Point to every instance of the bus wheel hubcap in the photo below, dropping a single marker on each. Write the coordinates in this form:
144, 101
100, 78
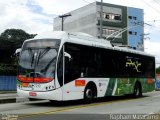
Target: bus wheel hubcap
89, 93
137, 91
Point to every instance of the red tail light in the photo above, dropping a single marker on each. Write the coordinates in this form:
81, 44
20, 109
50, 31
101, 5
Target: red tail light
36, 79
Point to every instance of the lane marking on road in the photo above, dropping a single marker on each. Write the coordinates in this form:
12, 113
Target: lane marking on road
76, 107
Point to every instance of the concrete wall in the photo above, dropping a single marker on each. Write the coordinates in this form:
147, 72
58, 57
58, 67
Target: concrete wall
81, 20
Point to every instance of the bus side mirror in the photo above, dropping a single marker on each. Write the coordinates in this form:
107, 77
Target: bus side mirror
17, 52
67, 55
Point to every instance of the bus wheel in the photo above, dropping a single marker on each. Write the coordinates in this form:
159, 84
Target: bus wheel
90, 92
88, 95
137, 90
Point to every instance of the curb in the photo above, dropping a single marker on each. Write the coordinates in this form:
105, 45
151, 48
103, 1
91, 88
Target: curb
8, 100
16, 100
13, 100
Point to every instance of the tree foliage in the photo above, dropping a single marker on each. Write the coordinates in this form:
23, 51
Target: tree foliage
158, 70
10, 40
14, 37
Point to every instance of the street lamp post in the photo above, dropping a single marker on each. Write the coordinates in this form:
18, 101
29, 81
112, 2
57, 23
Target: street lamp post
62, 17
101, 19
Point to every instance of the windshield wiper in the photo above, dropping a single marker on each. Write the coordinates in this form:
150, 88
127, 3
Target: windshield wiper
31, 55
41, 54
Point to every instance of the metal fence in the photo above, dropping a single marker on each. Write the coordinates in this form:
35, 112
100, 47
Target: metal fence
7, 83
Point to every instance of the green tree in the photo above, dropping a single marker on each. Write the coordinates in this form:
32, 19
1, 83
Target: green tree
158, 70
10, 40
15, 37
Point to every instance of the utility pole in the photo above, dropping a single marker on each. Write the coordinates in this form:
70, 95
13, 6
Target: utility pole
101, 19
63, 16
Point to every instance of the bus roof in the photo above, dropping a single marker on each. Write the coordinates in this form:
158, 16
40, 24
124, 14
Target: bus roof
85, 39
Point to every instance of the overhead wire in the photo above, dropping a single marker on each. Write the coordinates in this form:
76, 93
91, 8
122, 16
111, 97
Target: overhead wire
156, 2
86, 1
151, 6
156, 10
90, 3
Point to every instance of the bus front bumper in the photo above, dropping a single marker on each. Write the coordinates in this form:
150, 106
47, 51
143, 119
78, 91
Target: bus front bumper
48, 95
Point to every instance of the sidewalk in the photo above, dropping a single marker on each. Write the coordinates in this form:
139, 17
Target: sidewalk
10, 97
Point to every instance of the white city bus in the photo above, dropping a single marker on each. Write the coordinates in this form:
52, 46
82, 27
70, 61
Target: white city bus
69, 66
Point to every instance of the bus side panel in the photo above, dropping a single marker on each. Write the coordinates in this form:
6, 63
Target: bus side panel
71, 92
119, 86
148, 85
75, 89
105, 87
122, 86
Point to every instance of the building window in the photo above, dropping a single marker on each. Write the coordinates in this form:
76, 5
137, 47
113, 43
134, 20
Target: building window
132, 33
135, 33
106, 32
134, 18
112, 16
130, 17
117, 17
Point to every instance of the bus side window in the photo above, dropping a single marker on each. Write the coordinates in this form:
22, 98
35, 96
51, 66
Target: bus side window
72, 66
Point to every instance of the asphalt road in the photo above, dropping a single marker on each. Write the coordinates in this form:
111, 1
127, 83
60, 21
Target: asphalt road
114, 108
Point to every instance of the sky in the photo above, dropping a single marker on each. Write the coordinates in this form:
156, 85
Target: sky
36, 16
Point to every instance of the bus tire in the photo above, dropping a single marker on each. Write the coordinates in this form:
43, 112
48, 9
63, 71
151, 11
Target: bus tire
137, 90
90, 93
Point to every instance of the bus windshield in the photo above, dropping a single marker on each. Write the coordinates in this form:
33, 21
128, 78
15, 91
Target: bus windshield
38, 61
